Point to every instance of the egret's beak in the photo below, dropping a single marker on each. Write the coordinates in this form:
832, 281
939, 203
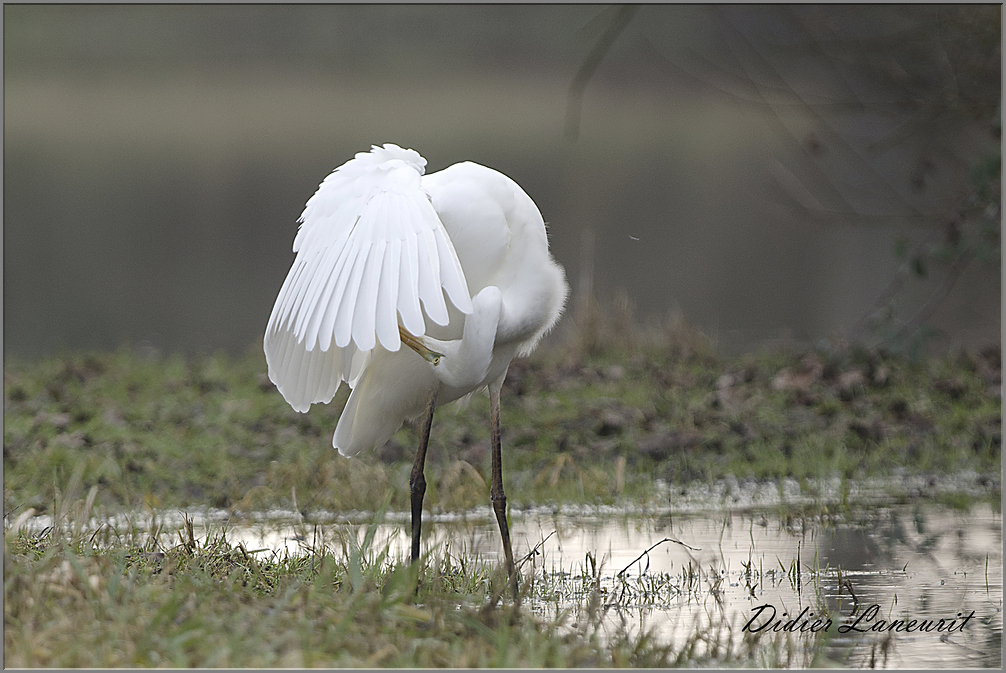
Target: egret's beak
417, 345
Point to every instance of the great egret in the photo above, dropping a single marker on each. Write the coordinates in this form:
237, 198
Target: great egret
377, 239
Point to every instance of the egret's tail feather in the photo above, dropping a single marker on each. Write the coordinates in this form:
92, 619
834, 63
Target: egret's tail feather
376, 410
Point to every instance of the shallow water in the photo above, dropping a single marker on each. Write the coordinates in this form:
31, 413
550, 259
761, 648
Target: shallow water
922, 562
724, 581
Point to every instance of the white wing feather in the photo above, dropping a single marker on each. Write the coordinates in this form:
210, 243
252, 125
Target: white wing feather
370, 248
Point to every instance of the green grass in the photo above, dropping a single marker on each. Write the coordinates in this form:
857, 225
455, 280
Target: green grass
597, 419
70, 602
590, 420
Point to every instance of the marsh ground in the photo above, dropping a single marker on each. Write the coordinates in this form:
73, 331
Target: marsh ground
644, 424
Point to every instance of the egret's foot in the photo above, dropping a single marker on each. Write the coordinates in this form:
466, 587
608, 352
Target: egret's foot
416, 344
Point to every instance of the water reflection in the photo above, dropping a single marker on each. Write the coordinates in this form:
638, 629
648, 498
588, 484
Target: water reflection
736, 578
913, 562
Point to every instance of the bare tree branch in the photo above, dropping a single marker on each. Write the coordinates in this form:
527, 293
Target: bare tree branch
857, 331
574, 98
953, 275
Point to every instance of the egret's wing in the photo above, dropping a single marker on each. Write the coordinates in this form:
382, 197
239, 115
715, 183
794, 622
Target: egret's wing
370, 248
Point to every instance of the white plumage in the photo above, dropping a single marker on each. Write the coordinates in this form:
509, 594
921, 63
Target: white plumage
458, 258
379, 247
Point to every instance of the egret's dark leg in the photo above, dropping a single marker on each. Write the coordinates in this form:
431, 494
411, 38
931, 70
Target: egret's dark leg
417, 482
496, 493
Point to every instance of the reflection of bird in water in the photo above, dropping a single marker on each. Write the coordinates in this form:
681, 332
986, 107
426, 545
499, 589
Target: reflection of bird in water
379, 247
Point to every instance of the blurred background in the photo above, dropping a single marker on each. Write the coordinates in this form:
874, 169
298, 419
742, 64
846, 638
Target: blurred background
765, 173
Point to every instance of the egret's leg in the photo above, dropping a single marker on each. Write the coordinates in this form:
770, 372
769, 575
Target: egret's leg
496, 493
417, 481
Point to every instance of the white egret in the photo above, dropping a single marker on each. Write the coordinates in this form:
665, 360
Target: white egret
379, 246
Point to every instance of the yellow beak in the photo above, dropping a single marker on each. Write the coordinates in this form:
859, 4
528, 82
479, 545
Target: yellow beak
417, 345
